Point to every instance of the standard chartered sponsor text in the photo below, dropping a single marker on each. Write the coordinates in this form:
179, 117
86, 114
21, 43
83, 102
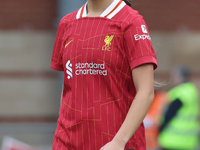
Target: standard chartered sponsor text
90, 68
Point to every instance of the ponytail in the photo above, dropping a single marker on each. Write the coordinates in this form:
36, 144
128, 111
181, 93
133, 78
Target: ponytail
127, 2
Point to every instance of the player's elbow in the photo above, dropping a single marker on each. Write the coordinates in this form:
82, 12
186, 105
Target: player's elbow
151, 96
148, 95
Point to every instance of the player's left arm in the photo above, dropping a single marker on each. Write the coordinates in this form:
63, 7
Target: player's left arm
143, 78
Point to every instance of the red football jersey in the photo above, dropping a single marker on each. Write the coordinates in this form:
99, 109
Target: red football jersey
97, 55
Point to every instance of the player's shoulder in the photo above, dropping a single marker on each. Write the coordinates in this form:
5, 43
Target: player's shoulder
69, 17
129, 15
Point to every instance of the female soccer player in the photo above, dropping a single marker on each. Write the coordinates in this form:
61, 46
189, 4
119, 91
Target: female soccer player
105, 51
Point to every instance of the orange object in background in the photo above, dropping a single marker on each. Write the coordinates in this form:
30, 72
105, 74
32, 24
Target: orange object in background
152, 120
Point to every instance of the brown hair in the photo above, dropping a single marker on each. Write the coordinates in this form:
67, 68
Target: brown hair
127, 2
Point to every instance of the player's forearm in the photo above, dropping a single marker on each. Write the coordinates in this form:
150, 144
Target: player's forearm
135, 116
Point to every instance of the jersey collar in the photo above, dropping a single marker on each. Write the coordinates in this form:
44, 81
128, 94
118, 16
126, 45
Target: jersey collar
109, 13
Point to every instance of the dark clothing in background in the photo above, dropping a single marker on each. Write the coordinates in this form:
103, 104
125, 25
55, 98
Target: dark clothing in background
171, 112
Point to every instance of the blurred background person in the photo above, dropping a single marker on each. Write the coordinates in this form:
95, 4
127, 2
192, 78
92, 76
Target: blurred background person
179, 129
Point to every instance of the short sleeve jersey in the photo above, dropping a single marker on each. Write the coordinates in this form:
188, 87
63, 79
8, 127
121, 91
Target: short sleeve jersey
97, 55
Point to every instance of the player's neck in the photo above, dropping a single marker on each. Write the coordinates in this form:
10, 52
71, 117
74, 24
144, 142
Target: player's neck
96, 7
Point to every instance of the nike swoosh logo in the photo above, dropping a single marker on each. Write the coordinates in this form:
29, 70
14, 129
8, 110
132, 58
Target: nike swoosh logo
68, 43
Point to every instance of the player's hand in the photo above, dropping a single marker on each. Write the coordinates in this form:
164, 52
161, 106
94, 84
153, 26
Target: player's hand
113, 145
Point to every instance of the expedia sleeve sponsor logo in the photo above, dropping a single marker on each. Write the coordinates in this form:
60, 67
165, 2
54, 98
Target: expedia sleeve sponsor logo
142, 37
144, 29
85, 69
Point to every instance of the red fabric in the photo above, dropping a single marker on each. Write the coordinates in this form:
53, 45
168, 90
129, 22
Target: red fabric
98, 85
